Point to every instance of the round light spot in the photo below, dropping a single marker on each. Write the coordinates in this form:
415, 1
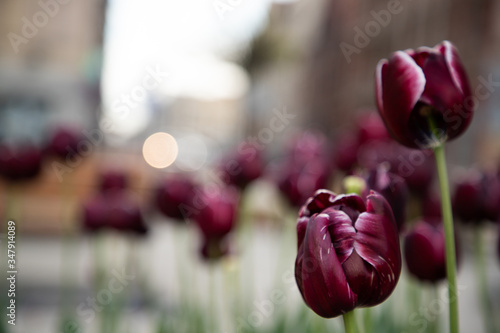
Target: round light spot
160, 150
193, 153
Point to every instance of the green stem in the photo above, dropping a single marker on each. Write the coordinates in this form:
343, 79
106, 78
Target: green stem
482, 280
436, 323
451, 269
350, 322
367, 319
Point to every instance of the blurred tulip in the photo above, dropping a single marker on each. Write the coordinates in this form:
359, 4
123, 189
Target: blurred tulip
113, 210
242, 166
348, 252
64, 142
416, 167
20, 163
477, 197
370, 127
355, 146
299, 181
307, 145
394, 190
346, 152
431, 207
112, 180
424, 251
174, 193
217, 216
415, 88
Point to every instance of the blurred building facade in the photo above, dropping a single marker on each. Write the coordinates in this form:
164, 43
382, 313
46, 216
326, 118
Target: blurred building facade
50, 63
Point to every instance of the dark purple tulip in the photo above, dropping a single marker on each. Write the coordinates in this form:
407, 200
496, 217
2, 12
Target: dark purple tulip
431, 207
242, 166
20, 163
424, 251
174, 193
477, 197
418, 172
370, 127
64, 142
217, 216
114, 210
307, 145
348, 252
417, 87
113, 180
94, 214
351, 147
416, 167
346, 152
298, 181
394, 190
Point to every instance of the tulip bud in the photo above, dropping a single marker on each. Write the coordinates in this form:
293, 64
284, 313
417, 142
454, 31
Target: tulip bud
113, 180
113, 210
20, 163
241, 167
423, 95
299, 181
394, 190
173, 194
348, 252
217, 216
477, 197
64, 142
424, 251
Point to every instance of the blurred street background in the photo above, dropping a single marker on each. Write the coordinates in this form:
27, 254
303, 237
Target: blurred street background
153, 89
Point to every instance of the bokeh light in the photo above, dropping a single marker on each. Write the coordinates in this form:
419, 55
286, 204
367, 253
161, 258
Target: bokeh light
160, 150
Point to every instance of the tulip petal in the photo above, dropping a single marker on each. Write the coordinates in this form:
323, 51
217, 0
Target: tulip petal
319, 273
455, 66
377, 242
400, 83
461, 111
341, 232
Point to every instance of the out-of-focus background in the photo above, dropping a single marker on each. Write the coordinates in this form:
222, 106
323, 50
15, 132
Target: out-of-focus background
154, 89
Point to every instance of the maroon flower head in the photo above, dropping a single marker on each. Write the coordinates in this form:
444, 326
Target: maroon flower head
348, 252
307, 145
424, 95
64, 142
217, 216
477, 197
242, 166
424, 251
113, 180
299, 181
174, 196
20, 163
116, 210
370, 127
394, 190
